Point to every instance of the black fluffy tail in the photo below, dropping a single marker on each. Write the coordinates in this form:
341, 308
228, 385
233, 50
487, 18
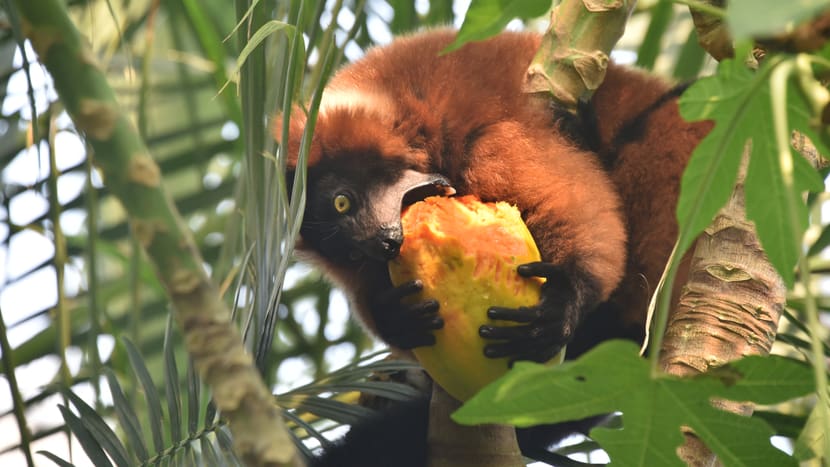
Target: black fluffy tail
394, 437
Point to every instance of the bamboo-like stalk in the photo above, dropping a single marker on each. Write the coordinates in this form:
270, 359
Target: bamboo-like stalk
571, 61
213, 343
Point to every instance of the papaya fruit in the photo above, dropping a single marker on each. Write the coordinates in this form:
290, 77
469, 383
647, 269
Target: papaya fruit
466, 253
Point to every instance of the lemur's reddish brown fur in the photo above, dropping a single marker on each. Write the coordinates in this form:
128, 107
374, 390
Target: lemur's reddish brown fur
597, 191
609, 209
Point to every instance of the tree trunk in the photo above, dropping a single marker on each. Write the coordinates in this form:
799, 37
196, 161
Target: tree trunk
454, 445
729, 308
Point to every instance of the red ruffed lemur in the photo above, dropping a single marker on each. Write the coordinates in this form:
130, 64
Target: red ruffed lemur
597, 190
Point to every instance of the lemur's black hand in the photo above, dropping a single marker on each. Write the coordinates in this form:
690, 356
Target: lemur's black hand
547, 326
406, 326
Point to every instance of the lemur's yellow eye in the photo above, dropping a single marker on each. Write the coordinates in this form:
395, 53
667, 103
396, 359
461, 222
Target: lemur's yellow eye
342, 204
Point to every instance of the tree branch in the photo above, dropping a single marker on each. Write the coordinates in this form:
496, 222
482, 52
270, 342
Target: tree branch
571, 61
212, 341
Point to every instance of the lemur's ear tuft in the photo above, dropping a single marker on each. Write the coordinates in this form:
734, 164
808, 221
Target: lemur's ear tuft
298, 119
296, 126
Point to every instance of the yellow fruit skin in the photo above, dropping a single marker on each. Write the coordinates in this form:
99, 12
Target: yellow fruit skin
465, 252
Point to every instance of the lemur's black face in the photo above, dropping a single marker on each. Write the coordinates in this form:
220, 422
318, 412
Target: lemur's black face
353, 212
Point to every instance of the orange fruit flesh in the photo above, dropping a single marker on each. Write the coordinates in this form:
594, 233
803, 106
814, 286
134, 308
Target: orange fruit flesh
465, 252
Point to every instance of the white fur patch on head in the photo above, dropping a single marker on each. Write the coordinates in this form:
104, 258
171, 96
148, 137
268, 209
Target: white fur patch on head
353, 99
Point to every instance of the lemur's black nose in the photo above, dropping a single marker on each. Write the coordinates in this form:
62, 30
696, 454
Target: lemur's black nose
390, 239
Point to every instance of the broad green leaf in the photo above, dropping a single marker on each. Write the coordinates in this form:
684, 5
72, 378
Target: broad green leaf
783, 424
764, 18
763, 380
708, 179
811, 440
486, 18
612, 377
739, 103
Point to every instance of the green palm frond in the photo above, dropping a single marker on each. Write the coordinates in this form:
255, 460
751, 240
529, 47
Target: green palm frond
150, 438
153, 430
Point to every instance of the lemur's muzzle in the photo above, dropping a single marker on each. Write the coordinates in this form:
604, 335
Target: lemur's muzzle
411, 187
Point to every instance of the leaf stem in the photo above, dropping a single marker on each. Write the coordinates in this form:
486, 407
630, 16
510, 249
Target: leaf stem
778, 91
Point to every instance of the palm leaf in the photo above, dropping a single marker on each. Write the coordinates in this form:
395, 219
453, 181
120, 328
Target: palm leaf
171, 445
99, 430
90, 445
127, 418
312, 405
152, 396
